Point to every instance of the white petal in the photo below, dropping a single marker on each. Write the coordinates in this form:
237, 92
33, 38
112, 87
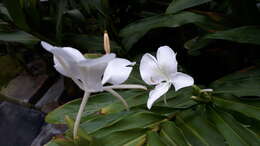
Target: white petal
117, 71
47, 46
150, 71
91, 72
62, 69
167, 60
155, 94
65, 59
68, 53
181, 80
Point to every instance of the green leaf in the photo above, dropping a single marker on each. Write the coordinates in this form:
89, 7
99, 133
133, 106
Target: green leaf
234, 133
197, 128
245, 34
96, 104
18, 37
195, 44
51, 143
180, 99
17, 14
124, 138
4, 13
172, 135
139, 120
241, 83
137, 142
238, 106
105, 103
61, 10
133, 32
104, 121
93, 6
153, 139
179, 5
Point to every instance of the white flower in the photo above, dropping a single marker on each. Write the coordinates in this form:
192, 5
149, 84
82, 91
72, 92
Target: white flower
162, 72
91, 75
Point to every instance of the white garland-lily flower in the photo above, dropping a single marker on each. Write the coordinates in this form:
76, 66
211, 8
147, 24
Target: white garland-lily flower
162, 72
91, 75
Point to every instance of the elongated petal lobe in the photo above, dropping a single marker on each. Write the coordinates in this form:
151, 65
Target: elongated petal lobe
155, 94
117, 71
167, 60
150, 71
181, 80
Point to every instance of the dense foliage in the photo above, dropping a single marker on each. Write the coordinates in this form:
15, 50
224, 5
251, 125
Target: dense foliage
217, 43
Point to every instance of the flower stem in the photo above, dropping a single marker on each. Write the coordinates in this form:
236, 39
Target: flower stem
119, 97
81, 109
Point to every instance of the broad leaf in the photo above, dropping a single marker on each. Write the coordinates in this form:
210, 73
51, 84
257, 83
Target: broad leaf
245, 34
139, 120
242, 83
234, 133
18, 37
178, 5
238, 106
197, 129
172, 135
124, 138
153, 139
17, 14
133, 32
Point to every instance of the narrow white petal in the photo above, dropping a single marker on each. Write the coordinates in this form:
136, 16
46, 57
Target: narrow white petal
167, 60
155, 94
69, 53
92, 70
47, 46
65, 59
181, 80
150, 71
117, 71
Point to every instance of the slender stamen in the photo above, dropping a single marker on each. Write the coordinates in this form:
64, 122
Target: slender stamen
125, 86
118, 96
81, 109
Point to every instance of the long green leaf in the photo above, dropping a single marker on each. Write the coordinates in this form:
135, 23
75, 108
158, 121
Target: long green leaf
17, 14
123, 138
153, 139
197, 129
247, 110
61, 9
245, 34
133, 32
234, 133
18, 37
172, 135
242, 83
139, 120
178, 5
95, 104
